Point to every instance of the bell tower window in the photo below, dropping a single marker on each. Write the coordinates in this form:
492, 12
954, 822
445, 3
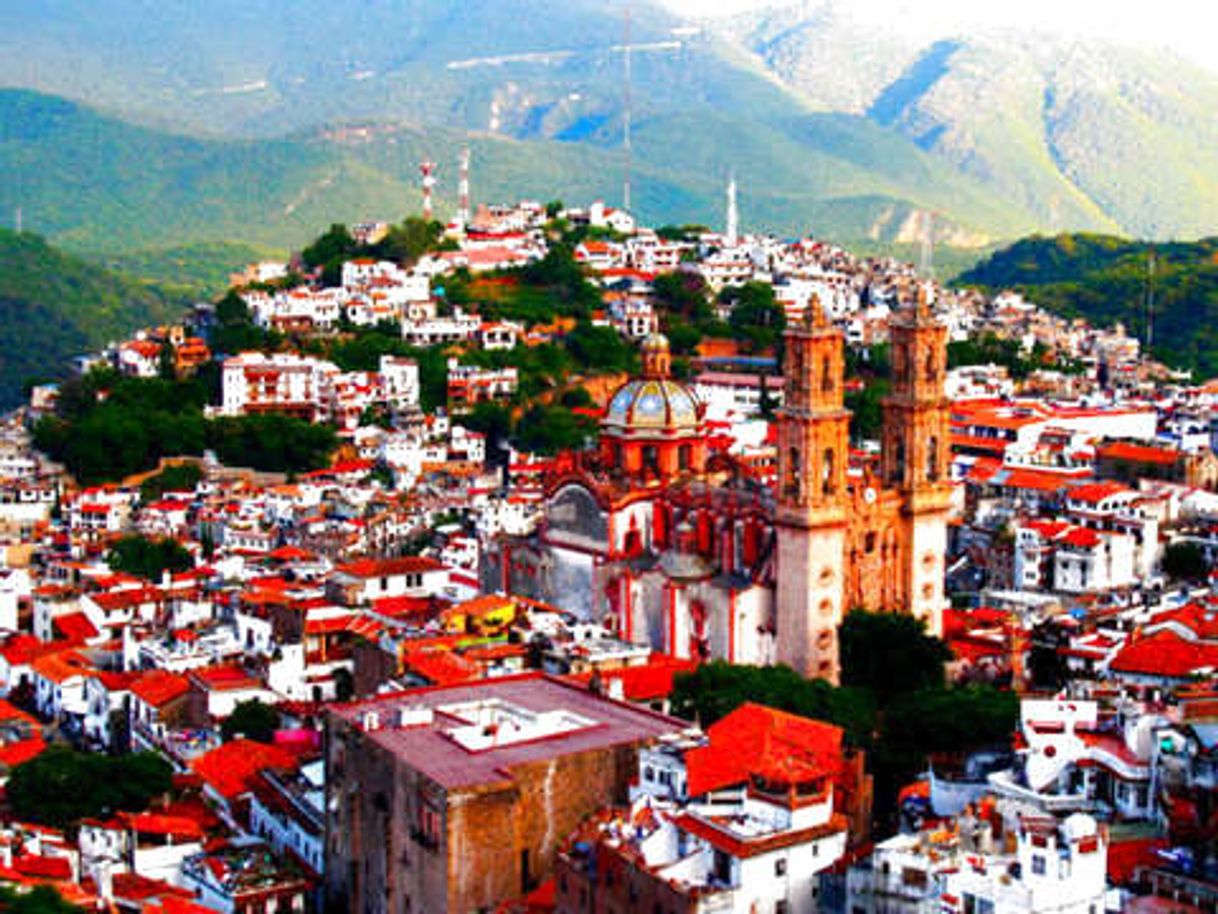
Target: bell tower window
792, 487
826, 376
932, 458
828, 484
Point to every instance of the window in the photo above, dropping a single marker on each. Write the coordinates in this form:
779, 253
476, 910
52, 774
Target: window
780, 867
793, 471
828, 483
826, 377
683, 459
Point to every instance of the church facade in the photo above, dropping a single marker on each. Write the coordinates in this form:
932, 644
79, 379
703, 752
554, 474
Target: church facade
674, 547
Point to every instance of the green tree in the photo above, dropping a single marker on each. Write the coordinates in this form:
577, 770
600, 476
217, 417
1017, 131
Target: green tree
754, 313
406, 243
180, 478
329, 251
149, 558
1185, 561
717, 688
253, 720
550, 429
41, 899
61, 786
683, 293
600, 349
890, 653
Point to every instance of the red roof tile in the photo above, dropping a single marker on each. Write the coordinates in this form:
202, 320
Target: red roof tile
230, 769
755, 739
159, 687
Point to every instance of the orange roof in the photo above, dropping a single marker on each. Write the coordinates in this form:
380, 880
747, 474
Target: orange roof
440, 667
1095, 492
377, 568
230, 769
482, 605
648, 682
755, 739
149, 823
62, 666
1138, 453
159, 687
74, 627
1165, 654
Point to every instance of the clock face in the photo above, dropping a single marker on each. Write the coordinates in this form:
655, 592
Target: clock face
869, 495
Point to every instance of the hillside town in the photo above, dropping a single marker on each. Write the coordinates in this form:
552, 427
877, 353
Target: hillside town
481, 655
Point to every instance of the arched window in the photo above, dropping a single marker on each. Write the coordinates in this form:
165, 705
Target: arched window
930, 366
651, 458
683, 458
826, 376
828, 483
898, 461
932, 459
793, 473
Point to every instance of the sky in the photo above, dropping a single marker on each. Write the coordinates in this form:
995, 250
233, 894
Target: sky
1189, 27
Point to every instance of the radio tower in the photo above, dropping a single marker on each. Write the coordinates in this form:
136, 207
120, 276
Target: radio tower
733, 218
626, 113
463, 189
429, 181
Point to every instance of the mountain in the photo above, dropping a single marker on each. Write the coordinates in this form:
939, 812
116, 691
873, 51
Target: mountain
54, 306
259, 120
94, 183
1082, 134
1109, 280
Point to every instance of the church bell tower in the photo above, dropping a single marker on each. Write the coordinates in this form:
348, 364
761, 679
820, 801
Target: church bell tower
811, 516
915, 456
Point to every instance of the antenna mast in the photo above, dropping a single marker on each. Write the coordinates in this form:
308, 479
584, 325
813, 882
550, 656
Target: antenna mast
463, 188
627, 112
429, 182
733, 217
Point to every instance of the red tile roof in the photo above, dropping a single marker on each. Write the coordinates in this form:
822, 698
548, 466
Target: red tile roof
1096, 492
1138, 453
158, 688
648, 682
74, 627
230, 769
1165, 654
378, 568
755, 739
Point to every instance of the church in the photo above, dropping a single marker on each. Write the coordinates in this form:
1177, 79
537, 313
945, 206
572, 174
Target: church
672, 546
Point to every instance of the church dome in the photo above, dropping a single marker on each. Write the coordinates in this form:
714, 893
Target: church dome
652, 403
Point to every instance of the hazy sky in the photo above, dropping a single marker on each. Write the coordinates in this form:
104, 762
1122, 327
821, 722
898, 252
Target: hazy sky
1189, 27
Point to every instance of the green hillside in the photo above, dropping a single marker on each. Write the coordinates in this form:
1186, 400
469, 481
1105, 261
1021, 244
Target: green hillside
1083, 134
201, 269
92, 183
1105, 279
54, 306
